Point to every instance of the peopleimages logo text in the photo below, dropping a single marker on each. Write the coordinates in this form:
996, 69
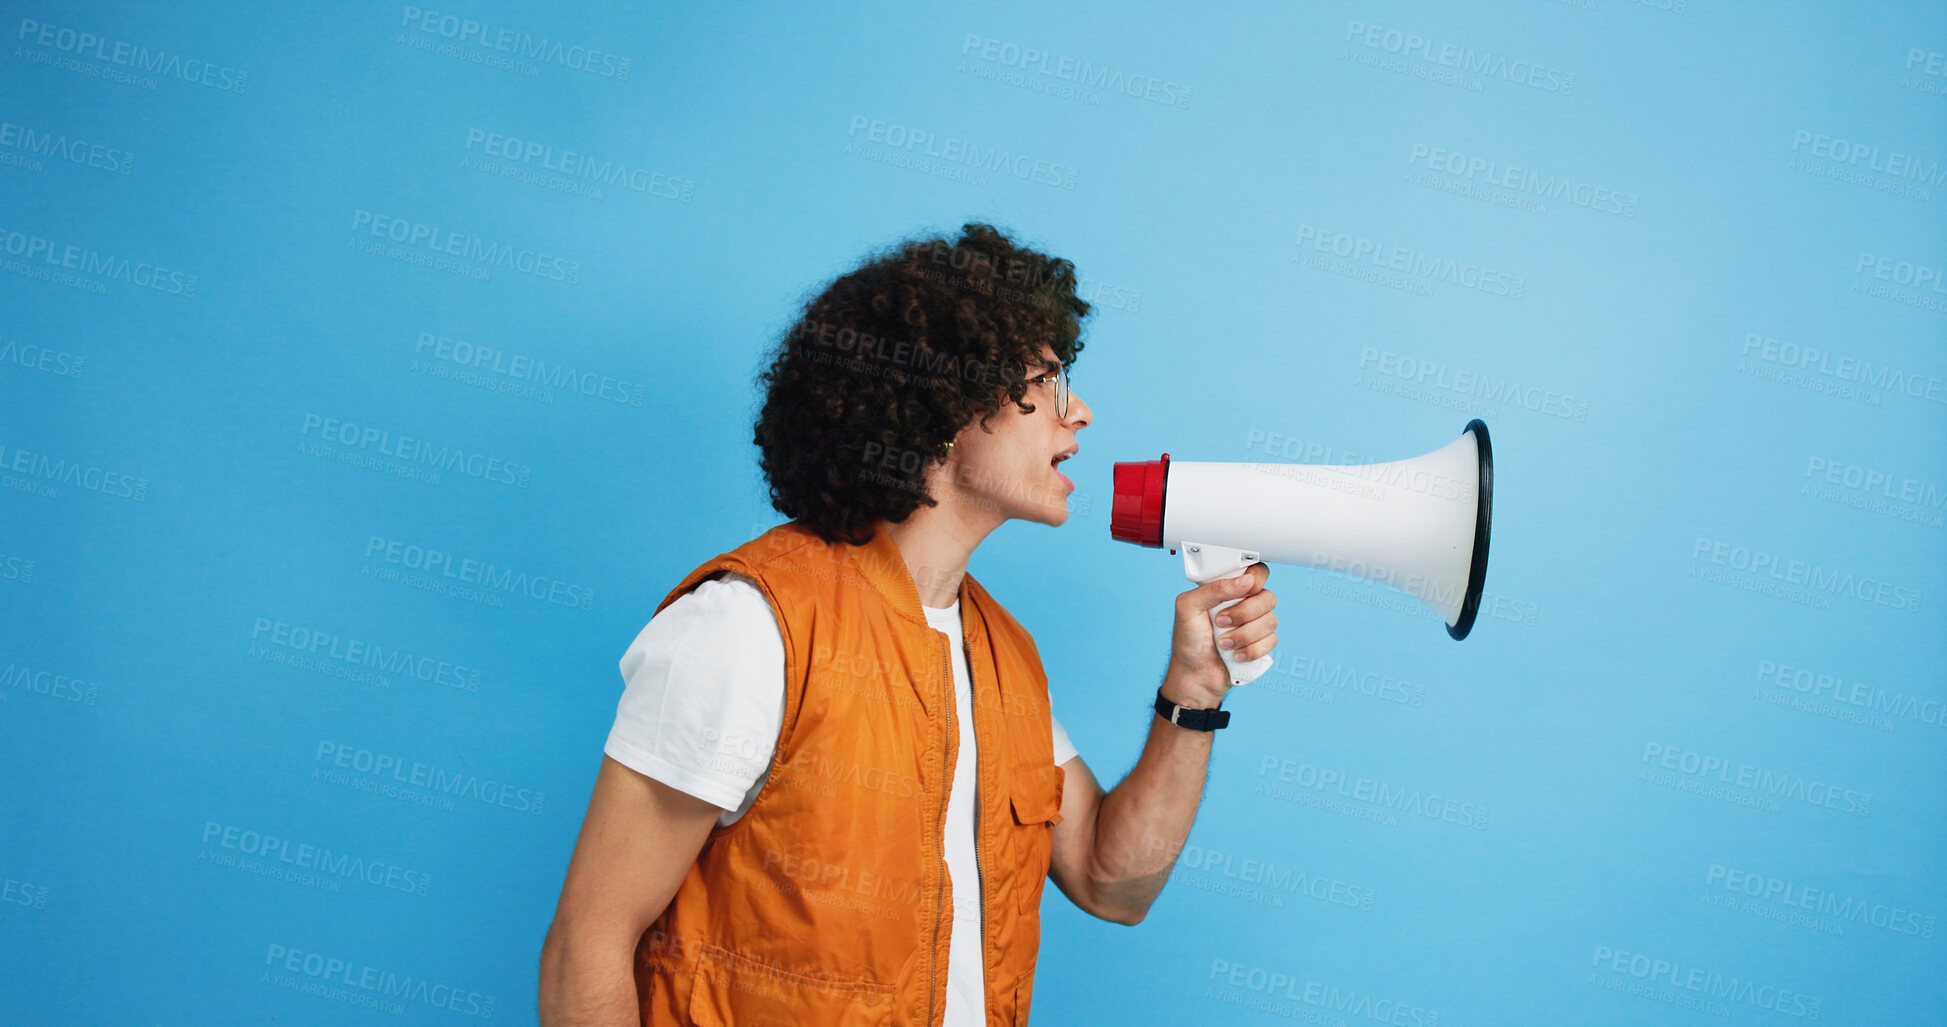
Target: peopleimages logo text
1815, 360
384, 987
1070, 69
472, 463
356, 652
1411, 263
521, 367
576, 165
513, 41
1901, 272
444, 241
954, 150
1894, 164
1601, 199
1806, 575
424, 775
193, 70
1833, 688
1379, 793
1413, 46
59, 146
1712, 984
1823, 901
483, 573
1706, 767
1474, 383
319, 858
57, 253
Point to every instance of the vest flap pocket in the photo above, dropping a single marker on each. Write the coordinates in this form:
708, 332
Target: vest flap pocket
730, 990
1036, 795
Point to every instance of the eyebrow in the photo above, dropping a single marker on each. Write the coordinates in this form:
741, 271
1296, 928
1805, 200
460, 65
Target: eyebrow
1050, 366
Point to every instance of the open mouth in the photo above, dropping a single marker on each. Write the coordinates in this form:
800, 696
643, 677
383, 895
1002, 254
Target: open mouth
1055, 464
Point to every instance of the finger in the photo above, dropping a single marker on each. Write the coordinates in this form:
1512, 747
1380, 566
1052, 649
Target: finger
1244, 635
1257, 648
1207, 595
1249, 609
1249, 581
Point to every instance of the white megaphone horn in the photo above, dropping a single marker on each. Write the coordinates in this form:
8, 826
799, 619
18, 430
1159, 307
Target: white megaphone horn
1419, 525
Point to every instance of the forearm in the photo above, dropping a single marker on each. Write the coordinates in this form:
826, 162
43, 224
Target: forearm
1142, 823
587, 985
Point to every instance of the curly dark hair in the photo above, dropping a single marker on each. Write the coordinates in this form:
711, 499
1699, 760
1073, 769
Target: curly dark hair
892, 360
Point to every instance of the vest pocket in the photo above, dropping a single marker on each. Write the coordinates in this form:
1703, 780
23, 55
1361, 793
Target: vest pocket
732, 990
1035, 795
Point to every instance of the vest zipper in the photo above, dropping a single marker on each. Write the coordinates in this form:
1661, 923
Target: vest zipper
980, 874
980, 877
946, 776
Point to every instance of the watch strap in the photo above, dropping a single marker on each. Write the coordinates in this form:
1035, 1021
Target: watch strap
1190, 717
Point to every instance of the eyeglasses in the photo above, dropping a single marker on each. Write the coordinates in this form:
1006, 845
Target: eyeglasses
1060, 378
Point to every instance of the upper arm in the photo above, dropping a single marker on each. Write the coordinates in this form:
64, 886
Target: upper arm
1074, 841
637, 842
706, 672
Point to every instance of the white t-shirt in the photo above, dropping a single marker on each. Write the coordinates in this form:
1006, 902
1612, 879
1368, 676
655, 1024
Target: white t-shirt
701, 711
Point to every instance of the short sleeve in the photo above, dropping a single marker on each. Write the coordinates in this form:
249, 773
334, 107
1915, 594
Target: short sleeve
1064, 749
703, 696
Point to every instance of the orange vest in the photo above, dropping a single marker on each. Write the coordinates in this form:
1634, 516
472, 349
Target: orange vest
828, 901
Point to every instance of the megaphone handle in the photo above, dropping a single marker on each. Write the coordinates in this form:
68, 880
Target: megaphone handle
1203, 563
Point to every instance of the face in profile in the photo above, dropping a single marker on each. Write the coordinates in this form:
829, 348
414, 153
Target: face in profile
1012, 468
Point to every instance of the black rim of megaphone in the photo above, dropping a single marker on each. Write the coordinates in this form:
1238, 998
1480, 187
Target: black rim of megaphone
1483, 511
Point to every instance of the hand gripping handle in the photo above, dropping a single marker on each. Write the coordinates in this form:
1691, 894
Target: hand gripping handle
1203, 563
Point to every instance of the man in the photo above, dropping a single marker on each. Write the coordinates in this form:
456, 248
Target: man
835, 785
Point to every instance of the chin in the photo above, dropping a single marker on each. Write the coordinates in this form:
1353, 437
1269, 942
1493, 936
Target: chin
1053, 516
1042, 504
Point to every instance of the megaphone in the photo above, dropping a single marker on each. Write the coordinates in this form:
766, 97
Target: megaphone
1418, 525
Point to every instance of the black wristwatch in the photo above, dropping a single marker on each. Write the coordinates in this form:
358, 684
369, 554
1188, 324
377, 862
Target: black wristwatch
1190, 717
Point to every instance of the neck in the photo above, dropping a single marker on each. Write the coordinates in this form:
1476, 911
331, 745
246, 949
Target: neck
937, 542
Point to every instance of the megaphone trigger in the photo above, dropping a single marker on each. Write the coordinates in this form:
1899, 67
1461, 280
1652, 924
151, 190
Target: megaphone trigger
1204, 563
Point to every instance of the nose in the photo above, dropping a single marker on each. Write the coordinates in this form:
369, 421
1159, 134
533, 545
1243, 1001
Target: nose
1079, 413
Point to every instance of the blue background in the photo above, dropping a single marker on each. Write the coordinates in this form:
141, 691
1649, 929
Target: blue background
173, 523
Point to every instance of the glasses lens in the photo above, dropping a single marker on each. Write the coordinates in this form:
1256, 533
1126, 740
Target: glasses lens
1061, 392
